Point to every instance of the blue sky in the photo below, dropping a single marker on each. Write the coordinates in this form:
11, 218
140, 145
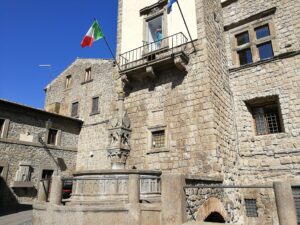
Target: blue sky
35, 32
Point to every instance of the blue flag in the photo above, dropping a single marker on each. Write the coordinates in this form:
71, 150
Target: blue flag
170, 3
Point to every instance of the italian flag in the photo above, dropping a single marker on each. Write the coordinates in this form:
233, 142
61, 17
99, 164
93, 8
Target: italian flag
93, 34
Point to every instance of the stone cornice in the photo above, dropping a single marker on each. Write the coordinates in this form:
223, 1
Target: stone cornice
262, 62
249, 19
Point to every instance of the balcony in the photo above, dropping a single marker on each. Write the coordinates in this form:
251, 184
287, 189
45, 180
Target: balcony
147, 60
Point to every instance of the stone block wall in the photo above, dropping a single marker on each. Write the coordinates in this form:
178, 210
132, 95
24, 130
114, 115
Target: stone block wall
23, 126
24, 152
93, 138
286, 21
265, 158
192, 106
11, 154
274, 156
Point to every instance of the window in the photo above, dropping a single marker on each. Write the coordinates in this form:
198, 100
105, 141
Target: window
251, 208
95, 105
158, 139
47, 174
1, 127
245, 56
253, 45
68, 81
74, 110
266, 119
266, 116
296, 194
155, 33
88, 75
52, 137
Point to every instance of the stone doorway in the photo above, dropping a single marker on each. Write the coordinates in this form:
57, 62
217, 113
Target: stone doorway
215, 217
212, 210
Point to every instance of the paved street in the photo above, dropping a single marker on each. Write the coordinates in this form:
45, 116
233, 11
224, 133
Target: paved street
20, 218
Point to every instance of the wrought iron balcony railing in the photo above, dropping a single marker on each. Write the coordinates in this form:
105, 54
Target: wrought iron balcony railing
154, 51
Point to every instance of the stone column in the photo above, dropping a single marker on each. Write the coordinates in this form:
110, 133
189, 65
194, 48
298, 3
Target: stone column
56, 190
285, 203
119, 136
42, 192
134, 199
134, 189
173, 199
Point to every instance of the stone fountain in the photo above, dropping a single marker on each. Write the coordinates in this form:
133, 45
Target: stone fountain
117, 196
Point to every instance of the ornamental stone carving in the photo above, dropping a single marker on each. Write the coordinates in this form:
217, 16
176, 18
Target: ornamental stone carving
119, 136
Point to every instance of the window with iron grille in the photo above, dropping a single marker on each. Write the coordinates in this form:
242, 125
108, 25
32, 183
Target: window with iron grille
74, 110
296, 194
1, 127
158, 139
266, 115
251, 208
267, 120
52, 136
253, 44
95, 105
68, 81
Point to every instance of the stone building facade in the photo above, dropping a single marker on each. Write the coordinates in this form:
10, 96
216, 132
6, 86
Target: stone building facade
86, 82
222, 111
30, 151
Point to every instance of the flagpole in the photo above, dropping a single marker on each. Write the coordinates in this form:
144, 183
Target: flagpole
112, 54
186, 25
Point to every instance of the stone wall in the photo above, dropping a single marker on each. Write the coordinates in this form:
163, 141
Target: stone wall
24, 126
24, 152
286, 21
187, 105
275, 156
93, 138
266, 158
12, 153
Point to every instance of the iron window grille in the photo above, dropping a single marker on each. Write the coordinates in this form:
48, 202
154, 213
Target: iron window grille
74, 111
267, 120
158, 139
251, 208
52, 136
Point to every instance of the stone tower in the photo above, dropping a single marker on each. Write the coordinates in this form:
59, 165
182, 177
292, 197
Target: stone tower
204, 121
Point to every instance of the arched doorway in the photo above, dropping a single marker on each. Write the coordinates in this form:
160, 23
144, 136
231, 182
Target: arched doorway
212, 210
215, 217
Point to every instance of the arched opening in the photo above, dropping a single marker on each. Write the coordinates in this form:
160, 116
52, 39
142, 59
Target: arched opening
212, 210
215, 217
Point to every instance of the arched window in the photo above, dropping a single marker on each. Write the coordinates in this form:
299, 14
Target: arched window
215, 217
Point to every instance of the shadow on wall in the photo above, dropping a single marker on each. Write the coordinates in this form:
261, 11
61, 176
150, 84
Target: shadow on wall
7, 197
8, 201
172, 76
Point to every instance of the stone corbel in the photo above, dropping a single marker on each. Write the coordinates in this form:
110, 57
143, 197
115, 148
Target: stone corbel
151, 73
180, 63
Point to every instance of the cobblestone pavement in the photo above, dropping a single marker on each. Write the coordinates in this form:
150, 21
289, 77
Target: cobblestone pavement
20, 218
